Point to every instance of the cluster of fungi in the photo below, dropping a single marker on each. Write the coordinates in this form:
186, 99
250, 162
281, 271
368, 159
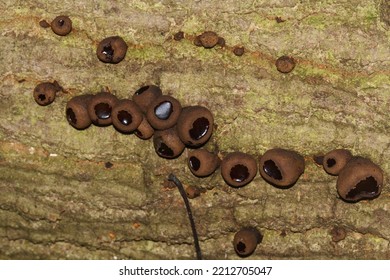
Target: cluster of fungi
151, 114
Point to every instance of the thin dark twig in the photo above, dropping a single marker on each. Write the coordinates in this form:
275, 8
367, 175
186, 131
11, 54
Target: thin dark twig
178, 184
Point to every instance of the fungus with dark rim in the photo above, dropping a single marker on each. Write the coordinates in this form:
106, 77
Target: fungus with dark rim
167, 143
100, 108
144, 131
335, 160
77, 111
285, 64
359, 179
203, 163
146, 95
238, 169
239, 50
61, 25
45, 93
126, 116
111, 50
245, 241
195, 125
281, 167
207, 39
163, 112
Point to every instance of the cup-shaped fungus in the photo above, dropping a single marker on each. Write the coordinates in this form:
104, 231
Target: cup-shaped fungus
208, 39
195, 125
111, 50
144, 130
280, 167
146, 95
167, 143
45, 93
335, 160
163, 112
285, 64
202, 163
238, 169
359, 179
77, 111
61, 25
245, 241
126, 116
100, 108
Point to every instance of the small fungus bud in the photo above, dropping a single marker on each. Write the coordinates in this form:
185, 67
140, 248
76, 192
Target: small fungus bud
61, 25
208, 39
285, 64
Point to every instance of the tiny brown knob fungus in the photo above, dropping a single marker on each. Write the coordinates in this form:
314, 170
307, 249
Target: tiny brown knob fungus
100, 108
335, 160
285, 64
238, 169
111, 50
193, 191
144, 130
167, 143
202, 163
208, 39
359, 179
126, 116
45, 93
61, 25
195, 125
77, 111
163, 112
280, 167
245, 241
146, 95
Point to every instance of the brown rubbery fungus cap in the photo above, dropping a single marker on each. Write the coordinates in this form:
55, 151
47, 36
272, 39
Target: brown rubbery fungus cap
126, 116
238, 169
167, 143
61, 25
77, 111
100, 108
163, 112
144, 131
359, 179
285, 64
45, 93
281, 168
111, 50
195, 125
193, 191
335, 160
208, 39
245, 241
203, 163
146, 95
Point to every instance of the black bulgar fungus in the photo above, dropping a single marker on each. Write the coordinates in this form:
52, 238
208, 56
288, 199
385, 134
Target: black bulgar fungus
167, 143
178, 36
359, 179
126, 116
335, 160
202, 163
195, 125
45, 93
77, 111
318, 159
280, 167
245, 241
163, 112
61, 25
100, 108
221, 42
44, 24
144, 131
238, 169
193, 191
285, 64
111, 50
208, 39
146, 95
238, 51
108, 165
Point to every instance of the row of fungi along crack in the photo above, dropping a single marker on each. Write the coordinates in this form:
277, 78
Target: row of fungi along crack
150, 113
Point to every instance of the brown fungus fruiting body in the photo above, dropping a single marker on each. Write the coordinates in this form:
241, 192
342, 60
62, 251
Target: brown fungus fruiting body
238, 169
207, 39
178, 36
239, 50
285, 64
202, 163
281, 167
45, 93
61, 25
77, 111
163, 112
144, 131
167, 143
245, 241
145, 95
334, 161
100, 108
193, 191
359, 179
111, 50
126, 116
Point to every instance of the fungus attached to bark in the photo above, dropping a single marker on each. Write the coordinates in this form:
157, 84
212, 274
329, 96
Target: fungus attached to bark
167, 143
146, 95
100, 108
285, 64
111, 50
335, 160
239, 50
245, 241
77, 111
193, 191
163, 112
207, 39
195, 125
45, 93
202, 163
61, 25
144, 131
126, 116
280, 167
359, 179
238, 169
